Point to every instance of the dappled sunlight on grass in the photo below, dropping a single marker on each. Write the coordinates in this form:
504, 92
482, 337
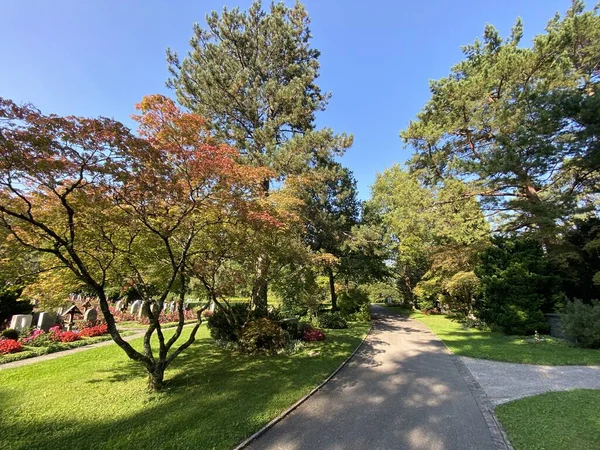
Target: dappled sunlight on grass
214, 398
475, 343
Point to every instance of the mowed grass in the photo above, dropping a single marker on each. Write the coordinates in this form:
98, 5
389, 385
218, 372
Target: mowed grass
475, 343
214, 399
553, 421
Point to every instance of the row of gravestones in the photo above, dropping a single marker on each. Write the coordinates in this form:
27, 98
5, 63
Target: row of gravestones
46, 320
137, 307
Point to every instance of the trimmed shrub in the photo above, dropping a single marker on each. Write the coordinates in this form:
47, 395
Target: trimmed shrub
220, 326
10, 333
262, 336
582, 322
332, 320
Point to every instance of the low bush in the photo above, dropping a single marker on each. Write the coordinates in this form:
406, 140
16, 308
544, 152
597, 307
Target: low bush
262, 336
10, 346
582, 322
363, 315
332, 320
313, 335
224, 328
10, 333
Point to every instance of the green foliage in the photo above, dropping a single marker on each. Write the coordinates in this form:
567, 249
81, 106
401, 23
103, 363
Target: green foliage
351, 300
262, 336
515, 123
582, 322
225, 324
10, 333
332, 320
578, 259
432, 232
461, 292
299, 290
518, 285
362, 315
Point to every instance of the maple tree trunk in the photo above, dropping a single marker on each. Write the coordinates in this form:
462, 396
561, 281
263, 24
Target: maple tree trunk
156, 376
332, 290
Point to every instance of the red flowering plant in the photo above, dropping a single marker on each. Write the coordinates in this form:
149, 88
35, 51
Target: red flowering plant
56, 334
312, 335
10, 346
97, 330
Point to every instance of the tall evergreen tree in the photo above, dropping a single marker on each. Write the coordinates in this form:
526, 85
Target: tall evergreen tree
513, 122
253, 76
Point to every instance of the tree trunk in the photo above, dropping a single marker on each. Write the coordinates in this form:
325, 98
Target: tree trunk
332, 290
260, 288
156, 376
261, 285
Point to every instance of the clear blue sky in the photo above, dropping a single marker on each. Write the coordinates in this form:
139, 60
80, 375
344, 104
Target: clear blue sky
95, 58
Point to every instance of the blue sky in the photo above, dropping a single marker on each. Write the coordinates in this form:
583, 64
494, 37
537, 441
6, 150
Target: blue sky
95, 58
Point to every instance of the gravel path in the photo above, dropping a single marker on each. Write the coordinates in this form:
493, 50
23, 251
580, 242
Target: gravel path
402, 390
503, 382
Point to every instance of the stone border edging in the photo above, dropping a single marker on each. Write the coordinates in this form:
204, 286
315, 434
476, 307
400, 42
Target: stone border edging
499, 436
285, 413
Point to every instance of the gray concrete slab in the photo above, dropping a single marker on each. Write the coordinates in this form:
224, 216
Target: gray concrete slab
503, 382
402, 390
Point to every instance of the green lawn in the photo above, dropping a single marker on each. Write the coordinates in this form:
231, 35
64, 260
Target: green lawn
215, 399
553, 421
497, 346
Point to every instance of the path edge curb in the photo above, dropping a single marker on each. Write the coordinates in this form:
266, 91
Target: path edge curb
499, 436
285, 413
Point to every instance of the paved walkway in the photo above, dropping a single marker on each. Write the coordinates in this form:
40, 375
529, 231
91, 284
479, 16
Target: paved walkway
402, 390
503, 382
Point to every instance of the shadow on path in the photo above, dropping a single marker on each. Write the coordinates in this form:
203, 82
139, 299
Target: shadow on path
402, 390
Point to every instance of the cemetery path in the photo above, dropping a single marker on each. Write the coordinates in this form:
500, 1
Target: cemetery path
503, 382
402, 390
38, 359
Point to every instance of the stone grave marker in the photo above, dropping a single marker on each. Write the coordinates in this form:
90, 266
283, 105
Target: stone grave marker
20, 321
91, 315
135, 307
46, 321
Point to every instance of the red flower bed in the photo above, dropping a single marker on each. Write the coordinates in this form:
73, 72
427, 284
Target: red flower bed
313, 335
97, 330
63, 336
10, 346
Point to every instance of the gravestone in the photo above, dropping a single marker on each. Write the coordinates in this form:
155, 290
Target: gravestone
172, 307
20, 321
135, 307
91, 315
211, 308
46, 321
118, 305
141, 311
